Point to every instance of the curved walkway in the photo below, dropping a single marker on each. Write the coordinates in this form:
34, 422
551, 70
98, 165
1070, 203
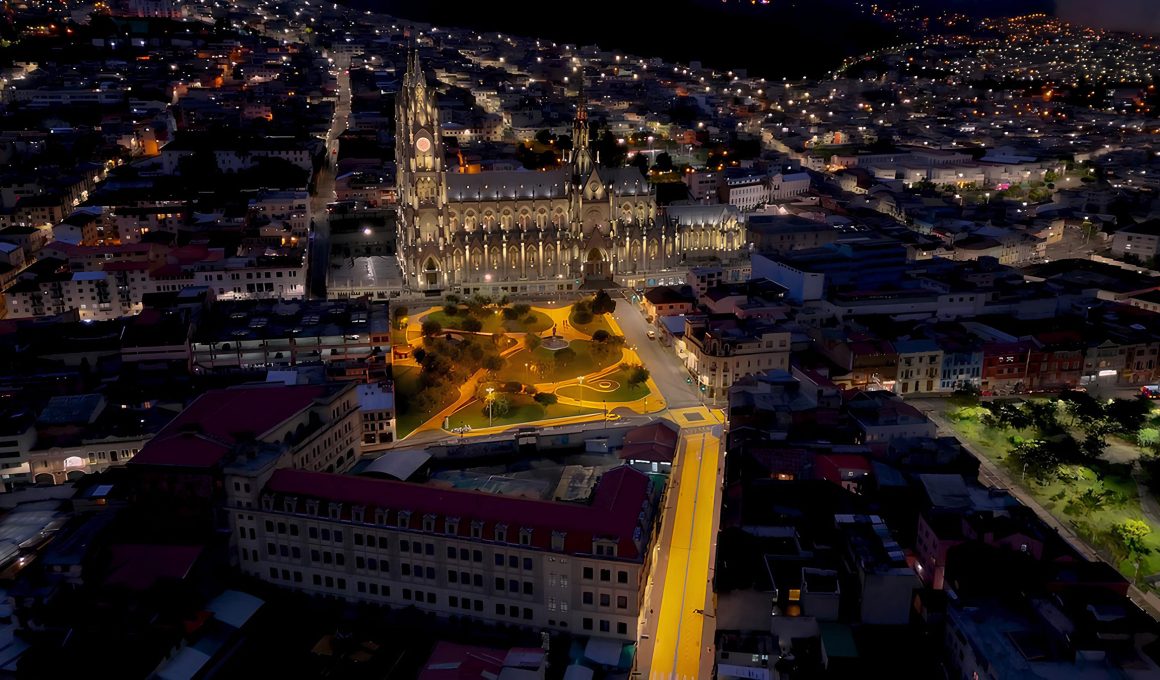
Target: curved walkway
651, 403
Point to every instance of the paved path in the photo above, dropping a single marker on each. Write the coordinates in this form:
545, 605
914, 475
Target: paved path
684, 626
653, 403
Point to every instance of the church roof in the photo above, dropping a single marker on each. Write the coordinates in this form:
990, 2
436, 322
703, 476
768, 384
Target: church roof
497, 185
701, 214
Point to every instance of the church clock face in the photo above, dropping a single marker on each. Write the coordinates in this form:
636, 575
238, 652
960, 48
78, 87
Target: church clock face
422, 145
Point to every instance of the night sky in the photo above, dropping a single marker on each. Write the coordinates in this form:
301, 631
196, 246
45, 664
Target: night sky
1127, 15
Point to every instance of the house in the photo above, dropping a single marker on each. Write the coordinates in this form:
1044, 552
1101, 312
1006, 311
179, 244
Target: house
668, 301
1140, 242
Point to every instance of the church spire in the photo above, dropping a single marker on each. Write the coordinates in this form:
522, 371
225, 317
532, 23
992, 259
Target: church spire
581, 160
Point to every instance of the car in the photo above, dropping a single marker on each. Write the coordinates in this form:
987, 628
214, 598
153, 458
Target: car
652, 335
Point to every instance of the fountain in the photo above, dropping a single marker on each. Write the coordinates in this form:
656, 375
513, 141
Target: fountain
554, 343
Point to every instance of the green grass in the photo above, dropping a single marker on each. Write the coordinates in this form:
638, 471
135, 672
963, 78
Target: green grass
494, 323
623, 392
1060, 495
406, 387
583, 364
524, 410
599, 323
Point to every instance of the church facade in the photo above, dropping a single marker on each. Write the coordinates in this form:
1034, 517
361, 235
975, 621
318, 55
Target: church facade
536, 232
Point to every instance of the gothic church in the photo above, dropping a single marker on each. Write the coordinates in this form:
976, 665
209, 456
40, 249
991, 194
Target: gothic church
533, 232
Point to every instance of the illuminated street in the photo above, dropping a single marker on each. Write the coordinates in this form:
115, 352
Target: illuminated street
684, 627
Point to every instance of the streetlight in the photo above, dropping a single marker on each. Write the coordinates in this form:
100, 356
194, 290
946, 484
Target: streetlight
581, 381
490, 403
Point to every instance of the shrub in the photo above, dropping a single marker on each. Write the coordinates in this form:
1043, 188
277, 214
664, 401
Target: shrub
600, 335
450, 309
511, 387
510, 314
546, 398
581, 316
521, 309
472, 325
431, 327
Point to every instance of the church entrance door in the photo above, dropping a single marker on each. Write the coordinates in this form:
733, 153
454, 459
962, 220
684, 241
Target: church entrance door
430, 275
596, 267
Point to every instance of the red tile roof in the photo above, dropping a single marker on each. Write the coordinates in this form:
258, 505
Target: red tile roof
208, 428
614, 513
139, 566
450, 661
655, 442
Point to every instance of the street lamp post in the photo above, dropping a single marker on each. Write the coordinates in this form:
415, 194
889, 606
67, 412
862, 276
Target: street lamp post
490, 403
580, 380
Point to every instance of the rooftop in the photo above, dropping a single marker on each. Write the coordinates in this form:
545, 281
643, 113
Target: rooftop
210, 427
613, 512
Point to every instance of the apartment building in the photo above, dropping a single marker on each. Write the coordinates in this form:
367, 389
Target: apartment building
920, 365
578, 566
119, 286
254, 428
720, 348
284, 207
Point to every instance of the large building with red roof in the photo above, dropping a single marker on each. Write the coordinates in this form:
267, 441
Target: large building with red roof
248, 430
577, 566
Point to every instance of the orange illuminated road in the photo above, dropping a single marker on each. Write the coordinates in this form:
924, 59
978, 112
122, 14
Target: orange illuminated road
684, 634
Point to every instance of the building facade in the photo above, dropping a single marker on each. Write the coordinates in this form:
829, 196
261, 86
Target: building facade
543, 564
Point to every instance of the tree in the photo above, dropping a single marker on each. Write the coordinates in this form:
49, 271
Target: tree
532, 341
493, 362
603, 303
545, 137
637, 375
472, 325
431, 328
497, 405
1037, 458
1044, 416
1130, 536
664, 162
521, 309
1128, 415
600, 335
450, 309
640, 162
546, 398
510, 313
399, 313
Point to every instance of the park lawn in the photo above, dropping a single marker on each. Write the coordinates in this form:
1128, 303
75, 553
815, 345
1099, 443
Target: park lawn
524, 409
583, 364
623, 392
493, 323
599, 323
539, 323
1093, 525
406, 387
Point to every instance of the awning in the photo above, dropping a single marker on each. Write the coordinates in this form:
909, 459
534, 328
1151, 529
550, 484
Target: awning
578, 672
603, 651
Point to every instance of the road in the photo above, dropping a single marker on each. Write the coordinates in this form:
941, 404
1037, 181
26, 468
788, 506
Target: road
319, 262
661, 361
684, 628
